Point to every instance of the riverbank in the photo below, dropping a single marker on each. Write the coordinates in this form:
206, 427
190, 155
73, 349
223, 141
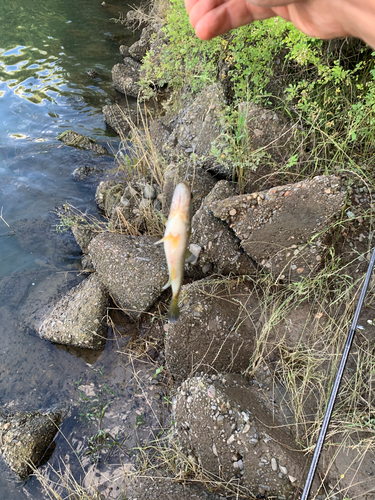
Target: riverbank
273, 131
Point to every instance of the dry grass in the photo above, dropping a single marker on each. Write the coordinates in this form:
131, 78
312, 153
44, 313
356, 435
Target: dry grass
137, 154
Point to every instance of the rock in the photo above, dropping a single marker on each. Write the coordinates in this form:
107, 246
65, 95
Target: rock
193, 130
284, 228
246, 434
133, 269
83, 235
76, 140
268, 129
126, 77
216, 328
86, 171
149, 192
77, 319
139, 49
108, 195
220, 247
198, 125
124, 51
25, 439
118, 117
200, 183
161, 137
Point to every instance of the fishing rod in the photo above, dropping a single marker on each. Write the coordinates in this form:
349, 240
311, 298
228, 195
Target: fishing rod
336, 385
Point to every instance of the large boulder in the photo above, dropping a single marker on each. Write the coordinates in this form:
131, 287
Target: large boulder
221, 426
220, 248
25, 439
198, 125
126, 77
78, 318
216, 329
133, 269
268, 129
193, 131
284, 229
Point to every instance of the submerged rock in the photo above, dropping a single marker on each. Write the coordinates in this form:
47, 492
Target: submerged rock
216, 329
221, 425
126, 77
133, 270
76, 140
221, 252
284, 228
25, 439
78, 318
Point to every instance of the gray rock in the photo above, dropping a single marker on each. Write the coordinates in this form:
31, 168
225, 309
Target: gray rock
193, 130
284, 228
76, 140
117, 117
139, 49
108, 195
124, 51
25, 439
220, 247
126, 77
268, 129
78, 318
215, 331
160, 136
201, 123
149, 192
133, 269
198, 403
83, 235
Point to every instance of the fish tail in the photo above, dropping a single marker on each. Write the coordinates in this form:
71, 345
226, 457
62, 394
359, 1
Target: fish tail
174, 311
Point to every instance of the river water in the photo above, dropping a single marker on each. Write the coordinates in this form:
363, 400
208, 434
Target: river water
46, 49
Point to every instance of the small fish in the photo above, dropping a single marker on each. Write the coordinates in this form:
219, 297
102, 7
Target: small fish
176, 239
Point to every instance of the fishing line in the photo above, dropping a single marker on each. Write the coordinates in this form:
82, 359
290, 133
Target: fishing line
336, 385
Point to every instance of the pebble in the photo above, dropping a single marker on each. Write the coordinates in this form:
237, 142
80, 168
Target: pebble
274, 464
283, 470
264, 487
231, 439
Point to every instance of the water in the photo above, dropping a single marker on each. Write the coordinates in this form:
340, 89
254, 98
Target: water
46, 49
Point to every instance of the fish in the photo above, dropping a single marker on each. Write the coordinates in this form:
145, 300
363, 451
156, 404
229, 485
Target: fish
176, 239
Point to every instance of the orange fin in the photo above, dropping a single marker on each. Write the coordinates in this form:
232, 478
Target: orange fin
160, 241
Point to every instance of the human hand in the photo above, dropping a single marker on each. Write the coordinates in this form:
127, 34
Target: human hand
317, 18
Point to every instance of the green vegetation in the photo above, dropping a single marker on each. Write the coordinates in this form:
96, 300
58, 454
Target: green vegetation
327, 87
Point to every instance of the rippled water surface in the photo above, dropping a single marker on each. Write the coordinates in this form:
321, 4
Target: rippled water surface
46, 49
